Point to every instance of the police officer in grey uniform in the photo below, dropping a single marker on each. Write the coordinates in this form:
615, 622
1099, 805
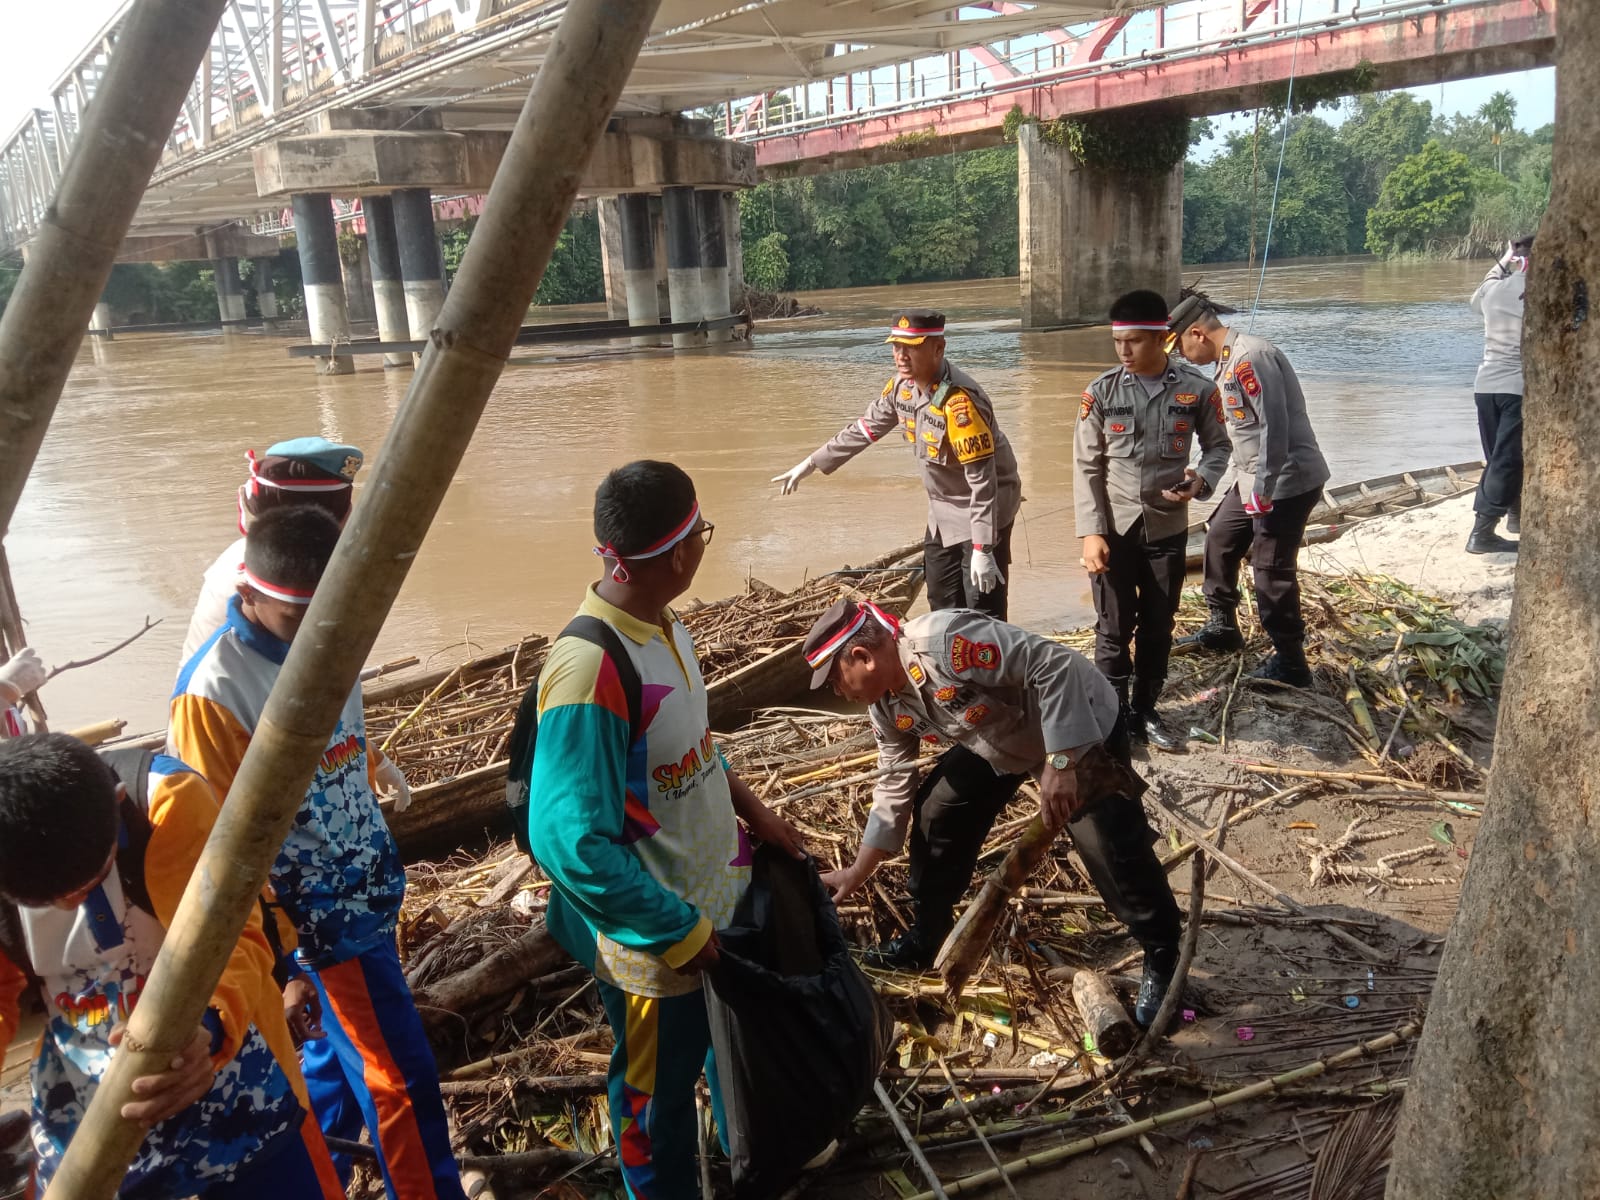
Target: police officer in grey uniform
1281, 472
968, 468
1132, 484
1013, 704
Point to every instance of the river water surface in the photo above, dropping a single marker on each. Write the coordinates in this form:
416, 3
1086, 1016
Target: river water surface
133, 493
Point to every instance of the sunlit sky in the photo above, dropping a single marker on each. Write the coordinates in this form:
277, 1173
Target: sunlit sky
43, 38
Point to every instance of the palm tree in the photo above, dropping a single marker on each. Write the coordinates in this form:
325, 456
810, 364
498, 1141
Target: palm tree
1500, 111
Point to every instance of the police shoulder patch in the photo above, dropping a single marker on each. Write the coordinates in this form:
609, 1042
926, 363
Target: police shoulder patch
1216, 405
1246, 374
1087, 406
966, 654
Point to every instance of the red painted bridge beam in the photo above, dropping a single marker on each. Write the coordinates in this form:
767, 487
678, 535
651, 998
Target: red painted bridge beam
1410, 49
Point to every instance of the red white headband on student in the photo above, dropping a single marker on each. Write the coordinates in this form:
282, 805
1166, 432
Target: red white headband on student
1153, 326
276, 591
654, 550
832, 646
251, 488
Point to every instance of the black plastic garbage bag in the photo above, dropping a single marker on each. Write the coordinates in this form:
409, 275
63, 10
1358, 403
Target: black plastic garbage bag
799, 1035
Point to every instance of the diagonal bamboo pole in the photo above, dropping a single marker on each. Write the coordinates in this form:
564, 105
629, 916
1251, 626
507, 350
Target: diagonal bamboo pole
1265, 1087
124, 130
590, 57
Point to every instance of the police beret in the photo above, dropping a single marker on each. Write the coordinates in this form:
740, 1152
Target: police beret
913, 326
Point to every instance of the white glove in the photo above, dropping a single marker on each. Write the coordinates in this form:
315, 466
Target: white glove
23, 674
985, 571
792, 477
393, 784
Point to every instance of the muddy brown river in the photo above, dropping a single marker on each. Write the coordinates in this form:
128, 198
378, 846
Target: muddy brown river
133, 493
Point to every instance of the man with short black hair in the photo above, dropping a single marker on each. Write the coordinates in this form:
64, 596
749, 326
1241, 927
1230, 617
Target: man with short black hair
968, 468
1132, 481
1281, 473
1013, 704
635, 818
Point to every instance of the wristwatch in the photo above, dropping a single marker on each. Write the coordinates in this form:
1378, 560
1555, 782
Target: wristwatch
1061, 761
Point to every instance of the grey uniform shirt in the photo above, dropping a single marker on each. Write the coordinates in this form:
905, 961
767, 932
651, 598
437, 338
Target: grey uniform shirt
968, 469
1008, 695
1498, 301
1274, 448
1130, 443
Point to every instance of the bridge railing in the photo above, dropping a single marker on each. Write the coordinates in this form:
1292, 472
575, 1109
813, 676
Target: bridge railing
1175, 30
269, 59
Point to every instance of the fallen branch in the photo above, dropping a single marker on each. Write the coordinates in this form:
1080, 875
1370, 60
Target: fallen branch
85, 662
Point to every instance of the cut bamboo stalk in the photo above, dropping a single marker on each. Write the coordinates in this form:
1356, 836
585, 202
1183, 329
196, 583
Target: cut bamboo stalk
590, 56
1045, 1158
972, 1122
910, 1143
124, 130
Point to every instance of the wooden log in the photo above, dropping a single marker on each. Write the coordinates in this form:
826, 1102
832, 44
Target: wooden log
1114, 1031
554, 1086
535, 953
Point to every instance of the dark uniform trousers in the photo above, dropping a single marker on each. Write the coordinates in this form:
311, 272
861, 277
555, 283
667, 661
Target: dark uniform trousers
1135, 601
1273, 542
1500, 430
957, 805
949, 575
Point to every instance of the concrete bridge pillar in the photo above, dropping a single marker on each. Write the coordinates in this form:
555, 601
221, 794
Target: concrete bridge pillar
358, 298
230, 291
714, 299
609, 211
683, 264
388, 288
639, 264
1089, 235
266, 298
318, 243
421, 269
735, 242
100, 321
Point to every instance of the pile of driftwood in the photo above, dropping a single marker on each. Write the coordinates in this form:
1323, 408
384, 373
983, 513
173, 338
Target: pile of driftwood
1035, 1063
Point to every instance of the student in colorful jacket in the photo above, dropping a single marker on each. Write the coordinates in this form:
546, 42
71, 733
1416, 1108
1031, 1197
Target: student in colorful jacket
97, 881
641, 839
339, 874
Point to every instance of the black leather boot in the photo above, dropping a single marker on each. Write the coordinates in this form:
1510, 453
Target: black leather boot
1159, 964
1286, 664
1220, 632
1514, 520
1485, 540
1144, 722
915, 949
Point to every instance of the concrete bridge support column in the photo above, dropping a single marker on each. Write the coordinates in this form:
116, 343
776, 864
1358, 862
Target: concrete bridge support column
358, 299
266, 298
683, 264
318, 242
714, 301
639, 264
421, 270
735, 243
230, 291
1089, 235
388, 288
100, 321
609, 211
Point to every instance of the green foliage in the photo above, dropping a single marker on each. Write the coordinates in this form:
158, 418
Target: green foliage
576, 274
1312, 92
1426, 199
1149, 140
766, 262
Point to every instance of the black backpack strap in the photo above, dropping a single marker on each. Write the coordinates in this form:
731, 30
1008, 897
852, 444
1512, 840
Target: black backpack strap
131, 766
525, 730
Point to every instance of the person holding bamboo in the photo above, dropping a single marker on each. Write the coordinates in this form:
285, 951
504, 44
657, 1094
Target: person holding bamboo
1009, 704
338, 875
95, 865
635, 817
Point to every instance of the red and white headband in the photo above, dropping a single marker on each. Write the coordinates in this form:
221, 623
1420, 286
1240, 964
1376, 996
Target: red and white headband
654, 550
1154, 326
251, 488
276, 591
832, 646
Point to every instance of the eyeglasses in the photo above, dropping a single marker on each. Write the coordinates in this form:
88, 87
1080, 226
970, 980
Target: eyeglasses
705, 531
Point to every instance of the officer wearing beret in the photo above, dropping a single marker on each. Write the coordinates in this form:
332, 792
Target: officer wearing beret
970, 474
1132, 483
1281, 473
1009, 704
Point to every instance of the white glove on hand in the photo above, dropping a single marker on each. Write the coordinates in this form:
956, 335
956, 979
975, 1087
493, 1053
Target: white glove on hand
792, 477
24, 673
985, 571
393, 784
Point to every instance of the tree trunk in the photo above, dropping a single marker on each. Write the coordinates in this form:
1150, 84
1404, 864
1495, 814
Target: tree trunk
1504, 1100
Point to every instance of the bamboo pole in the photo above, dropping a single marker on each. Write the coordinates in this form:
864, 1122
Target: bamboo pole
124, 131
590, 57
1045, 1158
